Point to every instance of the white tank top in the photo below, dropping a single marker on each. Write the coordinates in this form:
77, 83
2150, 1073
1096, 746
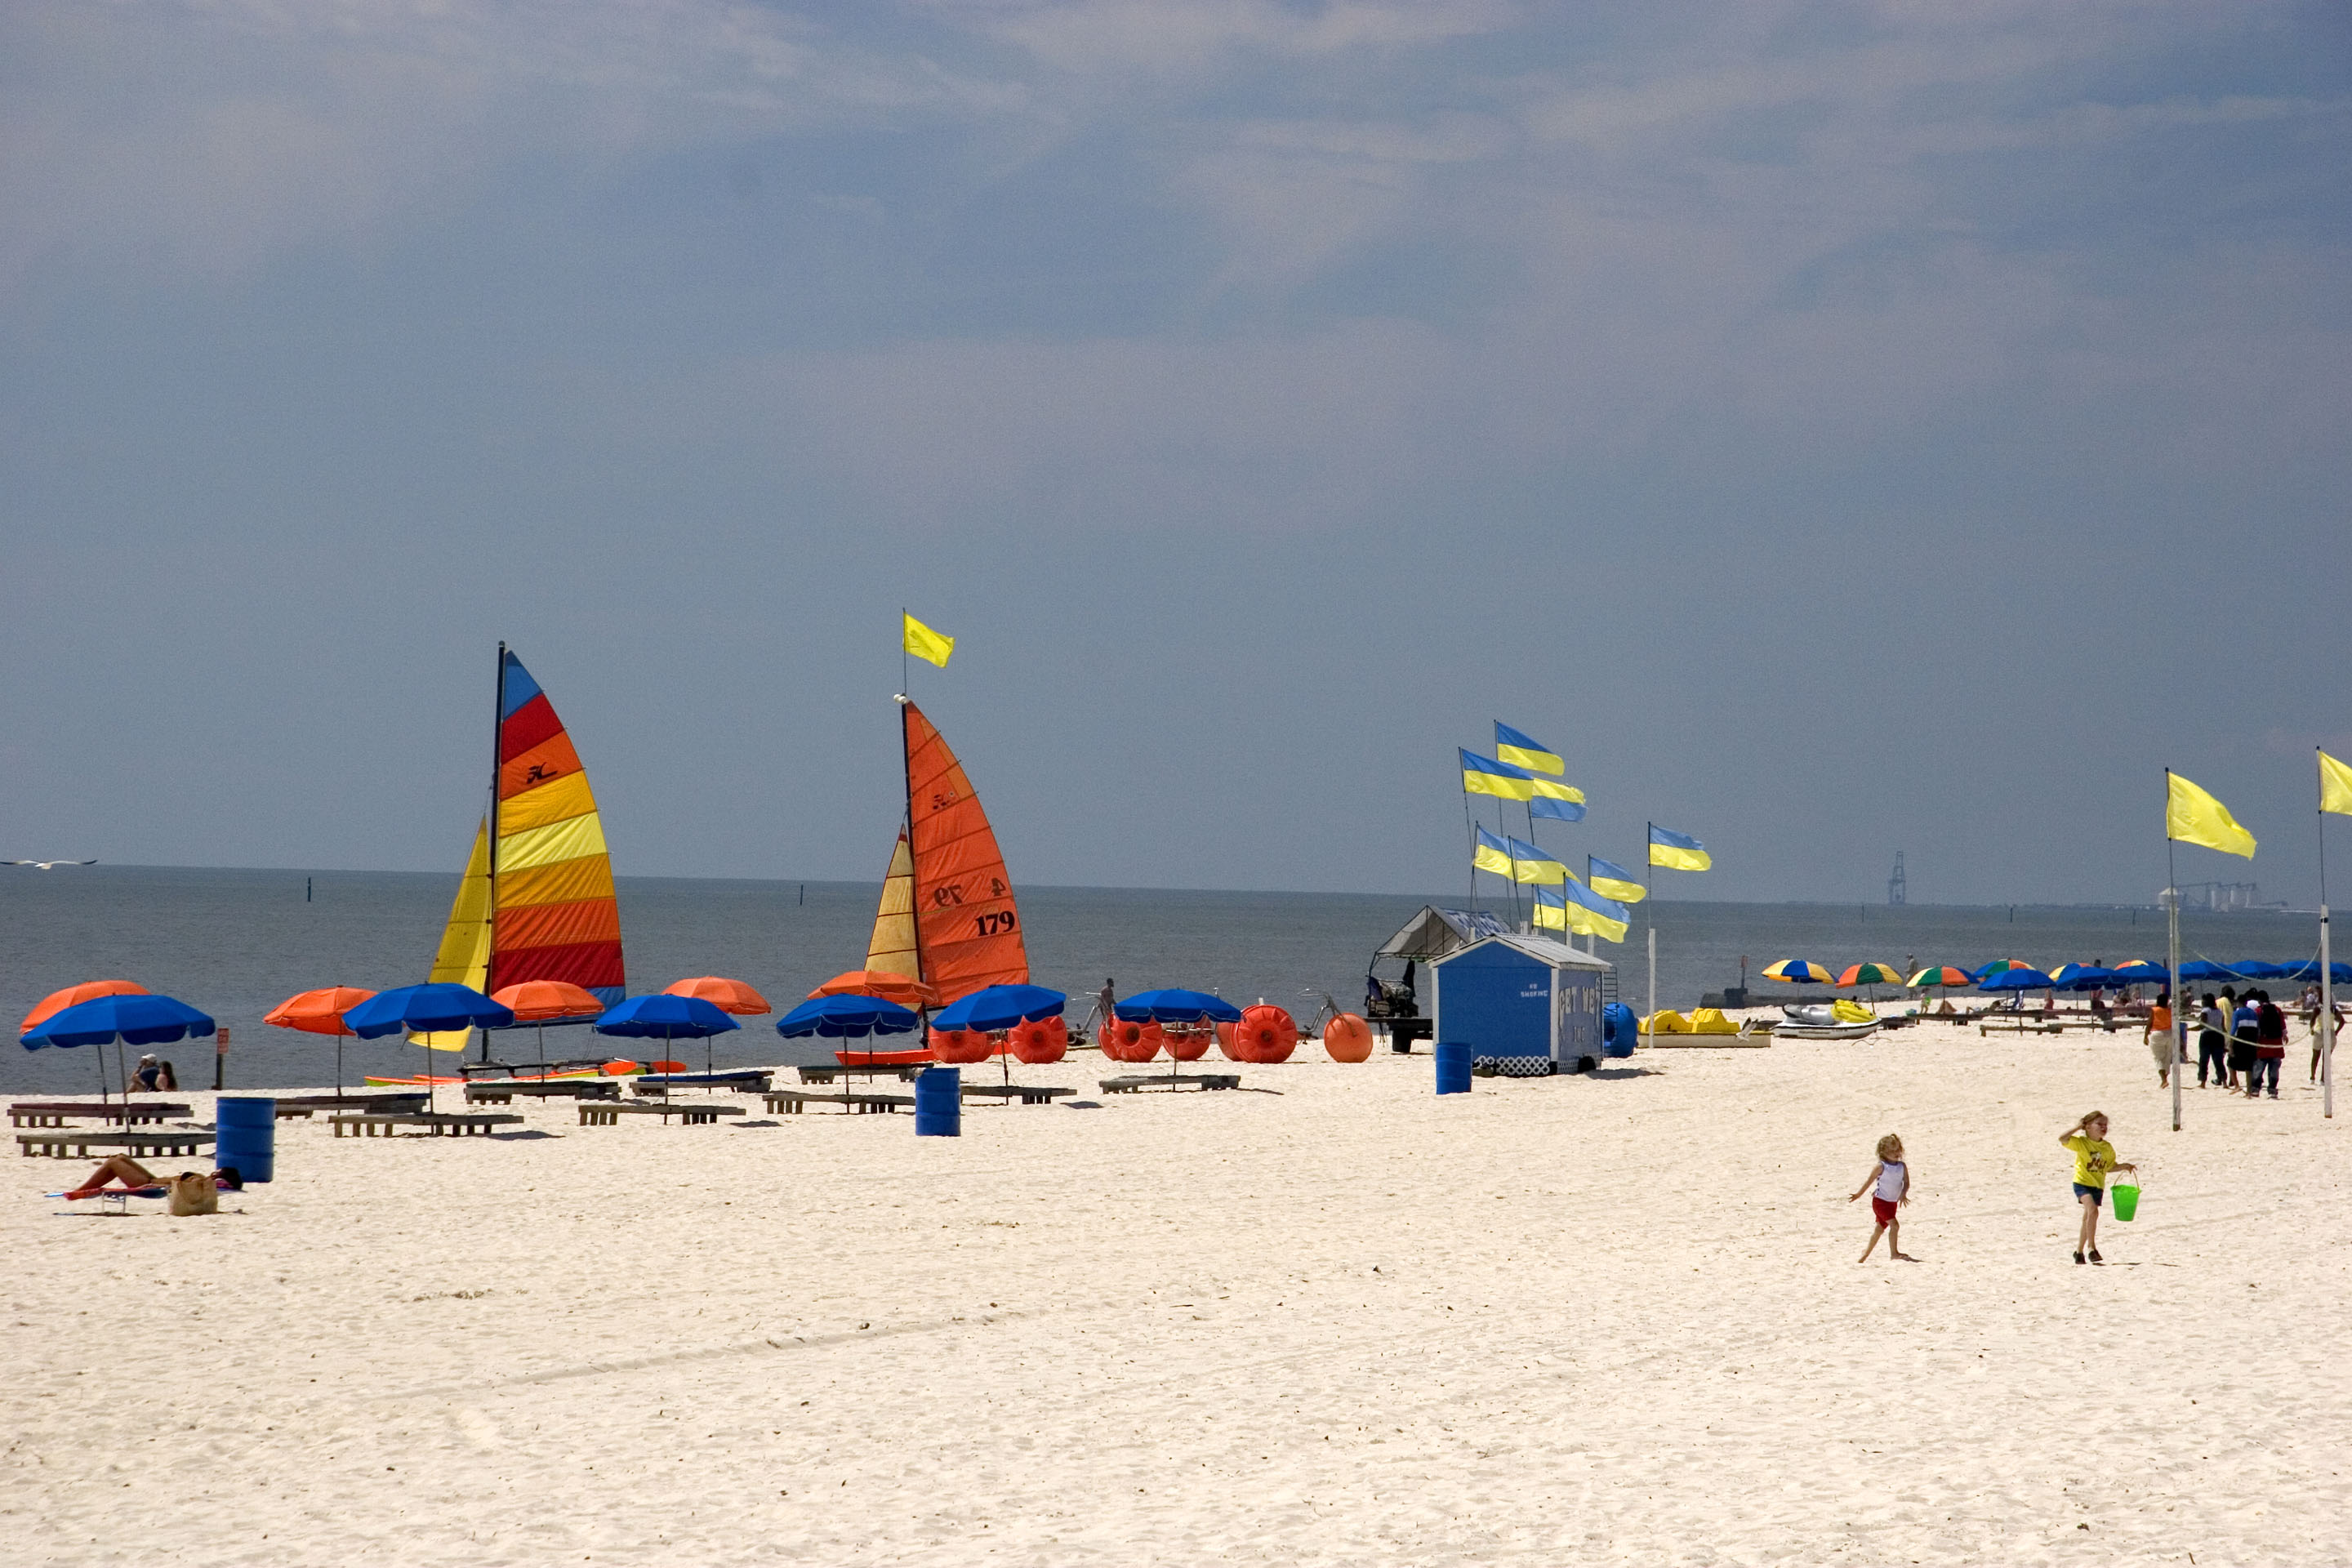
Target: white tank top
1890, 1180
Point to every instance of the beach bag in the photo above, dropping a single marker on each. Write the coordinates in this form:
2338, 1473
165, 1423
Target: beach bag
190, 1194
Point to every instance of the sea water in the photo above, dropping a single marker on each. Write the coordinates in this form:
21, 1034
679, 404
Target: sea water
238, 943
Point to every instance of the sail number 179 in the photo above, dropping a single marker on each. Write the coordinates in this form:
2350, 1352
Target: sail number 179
994, 924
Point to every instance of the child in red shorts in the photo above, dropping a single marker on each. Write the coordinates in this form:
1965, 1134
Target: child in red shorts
1891, 1178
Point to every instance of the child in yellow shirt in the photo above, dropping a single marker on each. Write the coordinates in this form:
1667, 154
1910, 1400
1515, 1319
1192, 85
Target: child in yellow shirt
2094, 1158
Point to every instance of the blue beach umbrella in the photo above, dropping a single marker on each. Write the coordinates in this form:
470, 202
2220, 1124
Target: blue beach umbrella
1177, 1007
441, 1007
2206, 969
845, 1017
123, 1020
2018, 980
665, 1017
2140, 972
2255, 969
2083, 977
992, 1008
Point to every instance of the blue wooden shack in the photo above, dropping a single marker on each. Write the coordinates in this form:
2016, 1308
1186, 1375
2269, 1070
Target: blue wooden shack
1514, 996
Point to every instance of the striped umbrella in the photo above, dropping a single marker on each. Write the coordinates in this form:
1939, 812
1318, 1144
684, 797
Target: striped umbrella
1941, 974
1798, 971
1870, 975
1998, 966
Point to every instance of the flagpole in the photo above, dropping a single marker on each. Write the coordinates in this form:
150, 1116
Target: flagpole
2326, 1020
1471, 828
1650, 902
903, 668
2172, 936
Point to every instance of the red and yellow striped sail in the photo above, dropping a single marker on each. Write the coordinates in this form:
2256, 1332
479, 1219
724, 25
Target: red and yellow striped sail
553, 915
968, 929
539, 904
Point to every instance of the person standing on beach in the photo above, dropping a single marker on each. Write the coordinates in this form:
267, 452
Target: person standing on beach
2212, 1043
2094, 1158
2270, 1045
2245, 1022
2338, 1016
1892, 1178
2157, 1036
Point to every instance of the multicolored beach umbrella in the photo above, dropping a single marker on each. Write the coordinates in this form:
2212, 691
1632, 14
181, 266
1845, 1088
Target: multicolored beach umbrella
2140, 971
1870, 975
1798, 971
1998, 966
1940, 975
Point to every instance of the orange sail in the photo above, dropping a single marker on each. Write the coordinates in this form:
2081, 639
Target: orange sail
967, 928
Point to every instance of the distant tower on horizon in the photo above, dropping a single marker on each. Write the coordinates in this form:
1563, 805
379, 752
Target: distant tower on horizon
1895, 890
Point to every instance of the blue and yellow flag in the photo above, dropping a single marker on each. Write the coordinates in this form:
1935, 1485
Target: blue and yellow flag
1561, 802
1534, 865
1521, 751
1552, 911
1589, 914
1492, 853
1678, 850
1612, 880
1501, 780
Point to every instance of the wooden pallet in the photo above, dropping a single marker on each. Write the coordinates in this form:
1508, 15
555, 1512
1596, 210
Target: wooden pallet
608, 1114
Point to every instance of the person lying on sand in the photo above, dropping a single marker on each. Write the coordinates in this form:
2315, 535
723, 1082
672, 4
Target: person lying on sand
1894, 1181
137, 1178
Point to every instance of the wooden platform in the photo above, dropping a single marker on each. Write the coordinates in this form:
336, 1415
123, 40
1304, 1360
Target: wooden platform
57, 1112
1135, 1083
793, 1101
500, 1091
1026, 1093
741, 1081
306, 1105
608, 1113
1745, 1042
73, 1144
451, 1124
833, 1074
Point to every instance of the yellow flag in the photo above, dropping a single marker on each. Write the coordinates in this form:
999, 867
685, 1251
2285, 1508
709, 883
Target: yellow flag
925, 643
2194, 816
2335, 786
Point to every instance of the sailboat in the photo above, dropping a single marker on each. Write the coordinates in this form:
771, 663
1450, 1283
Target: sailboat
535, 902
948, 916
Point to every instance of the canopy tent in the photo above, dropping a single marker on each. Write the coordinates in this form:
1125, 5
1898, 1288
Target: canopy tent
1434, 932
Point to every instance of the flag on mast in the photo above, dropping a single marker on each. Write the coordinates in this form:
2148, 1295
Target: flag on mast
1534, 865
1589, 914
925, 643
1679, 851
1482, 775
1524, 751
1492, 853
1612, 880
2335, 786
2193, 817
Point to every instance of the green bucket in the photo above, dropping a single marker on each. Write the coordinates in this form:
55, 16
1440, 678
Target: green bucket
2126, 1198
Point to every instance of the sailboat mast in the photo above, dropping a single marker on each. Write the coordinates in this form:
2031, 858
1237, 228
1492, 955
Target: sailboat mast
497, 721
914, 860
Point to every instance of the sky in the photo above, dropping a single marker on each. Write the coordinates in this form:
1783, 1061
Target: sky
1837, 428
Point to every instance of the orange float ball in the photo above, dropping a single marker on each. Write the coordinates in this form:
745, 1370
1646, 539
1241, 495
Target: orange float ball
1124, 1041
1348, 1038
1188, 1045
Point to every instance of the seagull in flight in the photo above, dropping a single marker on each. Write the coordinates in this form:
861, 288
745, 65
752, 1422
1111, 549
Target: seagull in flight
47, 865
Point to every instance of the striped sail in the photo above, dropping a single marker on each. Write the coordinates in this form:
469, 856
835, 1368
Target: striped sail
554, 916
968, 929
463, 958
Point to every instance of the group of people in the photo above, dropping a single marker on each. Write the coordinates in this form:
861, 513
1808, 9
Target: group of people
2241, 1041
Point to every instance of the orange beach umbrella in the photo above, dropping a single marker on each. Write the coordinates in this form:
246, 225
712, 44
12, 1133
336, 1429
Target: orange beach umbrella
727, 995
88, 991
538, 1001
321, 1012
902, 989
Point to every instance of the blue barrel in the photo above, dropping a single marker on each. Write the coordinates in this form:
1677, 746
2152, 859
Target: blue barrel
244, 1135
1619, 1030
1453, 1067
939, 1103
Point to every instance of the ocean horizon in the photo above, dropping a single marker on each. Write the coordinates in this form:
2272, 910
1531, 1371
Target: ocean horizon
235, 942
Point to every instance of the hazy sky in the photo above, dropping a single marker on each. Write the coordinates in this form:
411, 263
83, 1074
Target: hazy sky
1837, 427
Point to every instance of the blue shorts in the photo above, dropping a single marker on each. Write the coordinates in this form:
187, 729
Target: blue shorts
2097, 1195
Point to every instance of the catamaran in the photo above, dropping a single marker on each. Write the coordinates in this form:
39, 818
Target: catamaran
535, 902
947, 917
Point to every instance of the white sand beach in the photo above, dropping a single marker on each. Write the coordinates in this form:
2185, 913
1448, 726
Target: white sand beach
1333, 1319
